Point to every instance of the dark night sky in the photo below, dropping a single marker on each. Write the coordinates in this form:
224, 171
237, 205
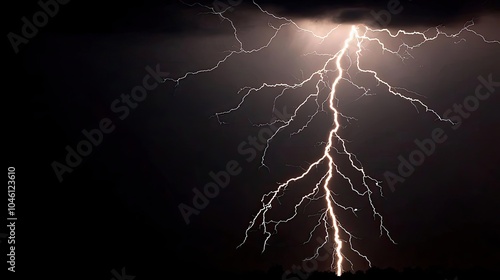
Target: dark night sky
119, 207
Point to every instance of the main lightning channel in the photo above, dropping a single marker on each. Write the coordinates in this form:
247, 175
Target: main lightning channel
358, 35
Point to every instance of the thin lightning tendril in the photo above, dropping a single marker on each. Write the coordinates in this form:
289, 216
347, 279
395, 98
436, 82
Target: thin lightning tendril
358, 35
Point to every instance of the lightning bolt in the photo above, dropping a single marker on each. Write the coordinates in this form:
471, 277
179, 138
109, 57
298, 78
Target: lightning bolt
339, 63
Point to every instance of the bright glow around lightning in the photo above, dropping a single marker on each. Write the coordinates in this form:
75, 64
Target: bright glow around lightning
356, 38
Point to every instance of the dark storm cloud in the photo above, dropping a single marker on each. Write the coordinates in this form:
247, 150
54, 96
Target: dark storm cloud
402, 12
174, 16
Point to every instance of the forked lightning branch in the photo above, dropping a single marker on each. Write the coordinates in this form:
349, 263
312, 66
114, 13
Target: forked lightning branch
341, 64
